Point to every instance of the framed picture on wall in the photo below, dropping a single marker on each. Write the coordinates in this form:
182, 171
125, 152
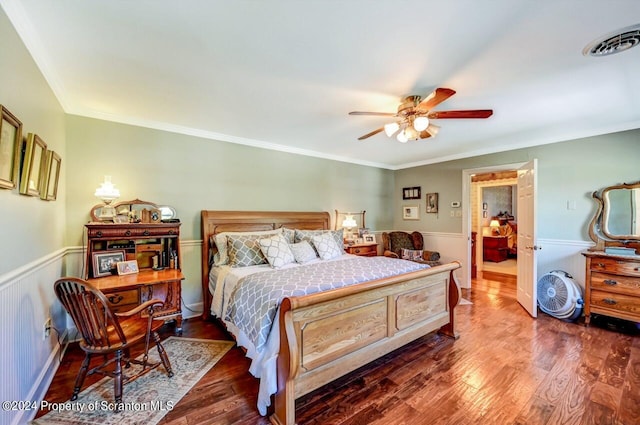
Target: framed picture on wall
411, 192
432, 202
10, 148
34, 156
484, 206
411, 212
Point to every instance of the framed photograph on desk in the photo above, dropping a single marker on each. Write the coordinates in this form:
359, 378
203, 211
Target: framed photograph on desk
370, 238
105, 261
127, 267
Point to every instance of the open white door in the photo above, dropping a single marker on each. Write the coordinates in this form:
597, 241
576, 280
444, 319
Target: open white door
527, 241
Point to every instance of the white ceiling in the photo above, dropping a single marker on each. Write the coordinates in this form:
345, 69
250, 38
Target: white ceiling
284, 74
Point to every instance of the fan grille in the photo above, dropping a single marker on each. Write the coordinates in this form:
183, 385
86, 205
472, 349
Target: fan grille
614, 43
553, 295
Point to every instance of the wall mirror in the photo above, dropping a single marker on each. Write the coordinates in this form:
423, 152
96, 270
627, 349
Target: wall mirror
135, 211
616, 221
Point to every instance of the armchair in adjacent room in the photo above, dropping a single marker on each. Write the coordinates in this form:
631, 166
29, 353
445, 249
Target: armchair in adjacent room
409, 246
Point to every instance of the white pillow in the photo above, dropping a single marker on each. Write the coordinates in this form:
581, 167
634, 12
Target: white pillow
277, 251
303, 252
326, 246
221, 240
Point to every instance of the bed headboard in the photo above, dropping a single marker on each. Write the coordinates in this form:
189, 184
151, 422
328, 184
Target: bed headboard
214, 222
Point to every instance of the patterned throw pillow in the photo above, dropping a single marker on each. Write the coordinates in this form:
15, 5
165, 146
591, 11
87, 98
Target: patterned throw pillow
307, 235
411, 254
326, 246
245, 251
277, 251
222, 242
289, 234
303, 252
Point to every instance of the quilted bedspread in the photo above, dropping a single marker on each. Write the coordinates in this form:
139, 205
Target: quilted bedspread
255, 300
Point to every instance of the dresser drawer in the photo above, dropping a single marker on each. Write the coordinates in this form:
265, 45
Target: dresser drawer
613, 301
363, 250
131, 231
611, 265
122, 300
616, 283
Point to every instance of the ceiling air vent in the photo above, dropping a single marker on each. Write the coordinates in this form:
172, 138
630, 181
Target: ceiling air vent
614, 42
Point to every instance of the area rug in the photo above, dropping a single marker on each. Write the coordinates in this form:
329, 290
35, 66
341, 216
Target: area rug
148, 398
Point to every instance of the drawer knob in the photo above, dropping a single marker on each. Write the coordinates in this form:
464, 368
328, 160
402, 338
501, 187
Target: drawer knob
127, 233
115, 300
99, 233
601, 265
609, 301
171, 232
146, 233
357, 250
610, 282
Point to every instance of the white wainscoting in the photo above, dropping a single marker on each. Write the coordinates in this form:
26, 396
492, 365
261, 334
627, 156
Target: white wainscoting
29, 361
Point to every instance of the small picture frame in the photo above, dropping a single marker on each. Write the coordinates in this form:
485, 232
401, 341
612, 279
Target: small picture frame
105, 261
484, 206
432, 203
10, 149
51, 170
363, 231
411, 192
411, 212
32, 165
121, 219
484, 214
369, 238
127, 267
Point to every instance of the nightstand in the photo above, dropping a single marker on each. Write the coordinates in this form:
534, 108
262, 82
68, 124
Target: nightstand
365, 249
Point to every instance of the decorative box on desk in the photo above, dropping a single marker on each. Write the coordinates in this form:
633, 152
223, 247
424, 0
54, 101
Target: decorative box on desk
365, 249
149, 244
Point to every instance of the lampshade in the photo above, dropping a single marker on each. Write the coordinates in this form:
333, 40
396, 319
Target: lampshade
411, 133
107, 192
391, 128
494, 223
402, 137
421, 123
349, 222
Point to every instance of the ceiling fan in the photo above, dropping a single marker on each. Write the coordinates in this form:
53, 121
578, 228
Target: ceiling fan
415, 115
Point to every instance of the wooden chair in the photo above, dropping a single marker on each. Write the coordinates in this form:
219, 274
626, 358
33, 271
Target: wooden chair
394, 242
107, 333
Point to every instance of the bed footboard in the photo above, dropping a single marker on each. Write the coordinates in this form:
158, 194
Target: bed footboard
326, 335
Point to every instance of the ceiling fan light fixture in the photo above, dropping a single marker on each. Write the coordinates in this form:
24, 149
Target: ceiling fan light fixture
421, 123
402, 137
391, 128
432, 130
411, 133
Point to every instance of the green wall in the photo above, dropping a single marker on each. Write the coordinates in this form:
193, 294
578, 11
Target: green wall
31, 228
567, 171
192, 174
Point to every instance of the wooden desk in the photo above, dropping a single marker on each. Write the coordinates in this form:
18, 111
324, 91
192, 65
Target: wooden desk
127, 291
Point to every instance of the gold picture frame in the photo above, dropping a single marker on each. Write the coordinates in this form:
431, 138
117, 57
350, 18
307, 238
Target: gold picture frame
432, 203
32, 165
51, 170
10, 149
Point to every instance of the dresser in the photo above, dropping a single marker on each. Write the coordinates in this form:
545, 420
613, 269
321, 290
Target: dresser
612, 285
365, 250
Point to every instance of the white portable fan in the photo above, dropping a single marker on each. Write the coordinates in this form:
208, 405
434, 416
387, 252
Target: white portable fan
559, 295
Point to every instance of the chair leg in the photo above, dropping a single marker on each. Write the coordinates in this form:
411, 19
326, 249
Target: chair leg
117, 377
82, 373
163, 354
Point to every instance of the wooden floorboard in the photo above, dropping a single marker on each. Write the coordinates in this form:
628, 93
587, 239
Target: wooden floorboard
506, 368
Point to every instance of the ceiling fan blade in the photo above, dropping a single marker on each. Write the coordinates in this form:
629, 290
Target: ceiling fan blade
436, 97
472, 113
379, 114
430, 131
373, 133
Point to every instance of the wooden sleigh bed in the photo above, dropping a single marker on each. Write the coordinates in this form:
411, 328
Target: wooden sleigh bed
326, 335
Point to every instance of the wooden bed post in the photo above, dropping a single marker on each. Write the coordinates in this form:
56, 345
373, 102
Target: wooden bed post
454, 298
285, 398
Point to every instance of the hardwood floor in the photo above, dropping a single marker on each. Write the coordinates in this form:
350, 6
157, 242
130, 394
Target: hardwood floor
506, 368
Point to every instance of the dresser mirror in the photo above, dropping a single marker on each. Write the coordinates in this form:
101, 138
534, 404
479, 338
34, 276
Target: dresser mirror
616, 222
134, 211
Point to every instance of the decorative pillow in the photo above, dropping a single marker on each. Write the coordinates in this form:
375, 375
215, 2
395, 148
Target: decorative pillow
411, 254
307, 235
221, 240
303, 252
326, 246
245, 251
289, 234
277, 251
